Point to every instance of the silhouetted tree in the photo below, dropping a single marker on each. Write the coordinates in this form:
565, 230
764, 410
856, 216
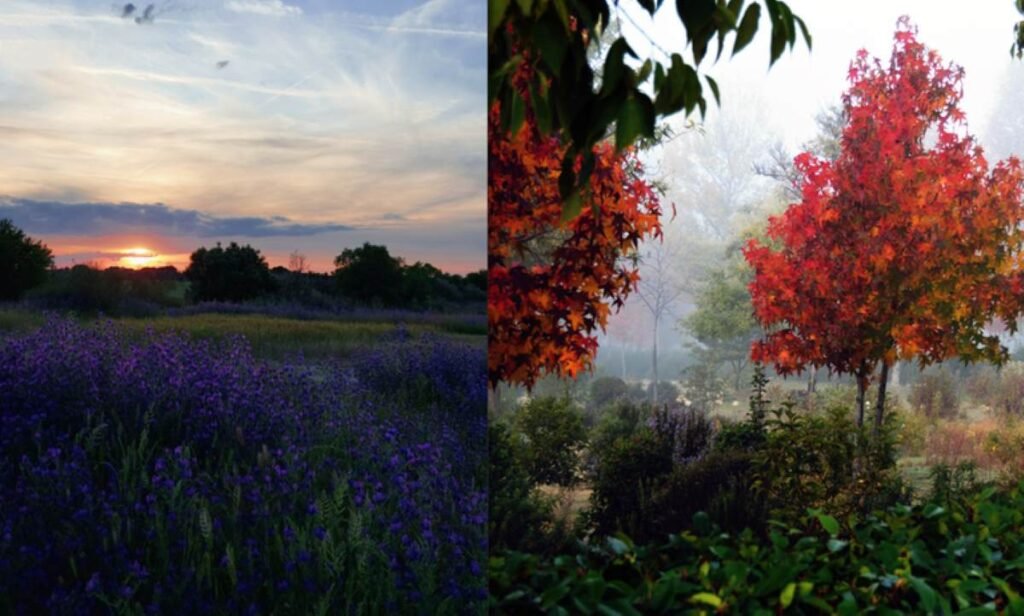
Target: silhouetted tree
232, 274
24, 262
368, 274
478, 279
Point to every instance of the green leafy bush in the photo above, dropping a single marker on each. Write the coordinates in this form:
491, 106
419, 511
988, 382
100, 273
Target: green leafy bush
605, 391
550, 435
966, 556
825, 460
619, 421
627, 476
721, 486
517, 513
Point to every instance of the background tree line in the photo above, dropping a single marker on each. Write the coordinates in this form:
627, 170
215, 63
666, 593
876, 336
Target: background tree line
364, 276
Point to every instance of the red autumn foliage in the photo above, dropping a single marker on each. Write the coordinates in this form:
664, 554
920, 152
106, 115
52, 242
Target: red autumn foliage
552, 283
906, 246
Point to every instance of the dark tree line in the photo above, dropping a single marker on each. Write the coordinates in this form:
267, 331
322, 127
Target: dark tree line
366, 275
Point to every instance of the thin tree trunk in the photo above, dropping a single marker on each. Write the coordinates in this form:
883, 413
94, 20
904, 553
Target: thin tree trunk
883, 381
812, 381
862, 386
654, 364
495, 400
622, 354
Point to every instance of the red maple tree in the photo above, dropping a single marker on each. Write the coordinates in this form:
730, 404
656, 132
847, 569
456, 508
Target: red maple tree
552, 282
906, 246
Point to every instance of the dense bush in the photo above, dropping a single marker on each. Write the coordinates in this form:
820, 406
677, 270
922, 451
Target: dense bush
168, 475
779, 461
924, 559
624, 482
721, 486
518, 516
935, 394
619, 421
826, 461
549, 437
605, 391
687, 432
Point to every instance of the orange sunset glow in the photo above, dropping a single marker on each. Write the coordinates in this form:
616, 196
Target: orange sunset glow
138, 257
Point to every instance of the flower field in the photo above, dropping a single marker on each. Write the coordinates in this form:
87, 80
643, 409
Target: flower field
168, 474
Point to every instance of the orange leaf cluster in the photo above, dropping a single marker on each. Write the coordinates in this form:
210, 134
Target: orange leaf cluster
552, 283
907, 246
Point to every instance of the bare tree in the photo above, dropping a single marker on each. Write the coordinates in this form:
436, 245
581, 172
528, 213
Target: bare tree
659, 290
710, 171
297, 262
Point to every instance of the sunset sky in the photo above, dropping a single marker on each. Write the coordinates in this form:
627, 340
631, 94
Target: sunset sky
133, 137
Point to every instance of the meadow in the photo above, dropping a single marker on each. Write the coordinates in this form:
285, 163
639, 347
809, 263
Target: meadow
241, 463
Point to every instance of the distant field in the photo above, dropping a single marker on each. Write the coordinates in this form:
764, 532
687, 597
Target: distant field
276, 337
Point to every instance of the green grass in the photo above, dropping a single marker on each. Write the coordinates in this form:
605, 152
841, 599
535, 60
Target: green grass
270, 337
16, 320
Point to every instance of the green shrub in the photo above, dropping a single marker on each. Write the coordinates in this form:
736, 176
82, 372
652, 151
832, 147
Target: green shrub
605, 391
720, 485
619, 421
627, 476
688, 432
953, 484
517, 513
922, 559
550, 436
826, 461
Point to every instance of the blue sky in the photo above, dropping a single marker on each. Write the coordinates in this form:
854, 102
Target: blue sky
307, 125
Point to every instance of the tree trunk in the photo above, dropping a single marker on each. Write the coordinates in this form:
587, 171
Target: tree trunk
623, 356
495, 400
883, 381
862, 386
812, 381
654, 364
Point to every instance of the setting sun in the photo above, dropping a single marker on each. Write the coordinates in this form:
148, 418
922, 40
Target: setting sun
138, 257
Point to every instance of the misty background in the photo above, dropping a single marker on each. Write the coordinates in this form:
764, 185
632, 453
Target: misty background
724, 175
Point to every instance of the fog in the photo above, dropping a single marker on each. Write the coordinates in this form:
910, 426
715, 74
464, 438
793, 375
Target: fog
708, 167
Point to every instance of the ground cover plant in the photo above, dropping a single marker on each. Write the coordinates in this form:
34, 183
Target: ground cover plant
169, 474
962, 556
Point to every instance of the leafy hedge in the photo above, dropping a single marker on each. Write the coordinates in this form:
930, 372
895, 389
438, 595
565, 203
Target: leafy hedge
964, 556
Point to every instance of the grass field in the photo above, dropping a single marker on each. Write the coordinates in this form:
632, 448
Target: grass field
278, 337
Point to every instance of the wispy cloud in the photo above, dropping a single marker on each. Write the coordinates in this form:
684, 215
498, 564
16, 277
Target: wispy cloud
275, 8
336, 111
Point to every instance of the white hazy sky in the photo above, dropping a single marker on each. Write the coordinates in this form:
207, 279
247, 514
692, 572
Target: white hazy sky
310, 125
975, 35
